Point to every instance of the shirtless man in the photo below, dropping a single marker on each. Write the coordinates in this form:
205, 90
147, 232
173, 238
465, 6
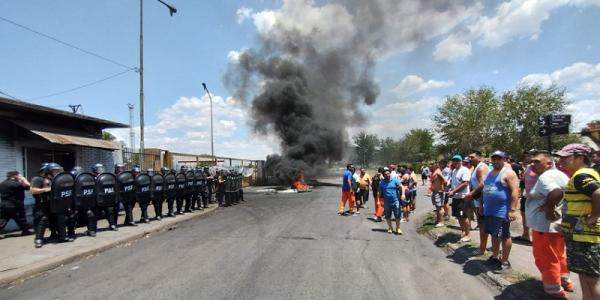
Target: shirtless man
438, 187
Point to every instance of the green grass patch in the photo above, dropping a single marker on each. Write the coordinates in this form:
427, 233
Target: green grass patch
428, 226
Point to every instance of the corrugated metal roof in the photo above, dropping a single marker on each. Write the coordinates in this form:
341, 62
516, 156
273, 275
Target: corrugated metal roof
65, 139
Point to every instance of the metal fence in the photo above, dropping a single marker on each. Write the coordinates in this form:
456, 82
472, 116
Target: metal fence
152, 158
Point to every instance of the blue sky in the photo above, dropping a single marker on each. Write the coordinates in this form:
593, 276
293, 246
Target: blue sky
494, 43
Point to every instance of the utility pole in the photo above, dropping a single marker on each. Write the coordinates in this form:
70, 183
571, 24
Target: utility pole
212, 146
131, 131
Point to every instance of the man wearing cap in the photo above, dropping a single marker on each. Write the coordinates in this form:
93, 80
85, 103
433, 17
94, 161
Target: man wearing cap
459, 186
12, 206
500, 201
543, 208
581, 221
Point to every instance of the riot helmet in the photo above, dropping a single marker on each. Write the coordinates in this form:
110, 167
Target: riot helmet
76, 171
136, 170
119, 168
151, 172
42, 169
98, 169
164, 170
52, 169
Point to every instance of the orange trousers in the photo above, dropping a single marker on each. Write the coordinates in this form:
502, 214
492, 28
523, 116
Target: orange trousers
549, 255
379, 207
347, 197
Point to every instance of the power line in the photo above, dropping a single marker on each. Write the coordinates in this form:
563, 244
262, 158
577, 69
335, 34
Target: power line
81, 86
10, 96
67, 44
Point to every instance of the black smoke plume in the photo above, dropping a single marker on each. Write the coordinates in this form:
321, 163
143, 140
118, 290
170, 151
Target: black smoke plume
308, 87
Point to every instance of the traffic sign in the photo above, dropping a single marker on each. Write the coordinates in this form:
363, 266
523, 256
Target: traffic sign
543, 131
561, 129
541, 121
560, 120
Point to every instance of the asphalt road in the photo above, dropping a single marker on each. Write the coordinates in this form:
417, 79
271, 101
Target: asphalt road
291, 246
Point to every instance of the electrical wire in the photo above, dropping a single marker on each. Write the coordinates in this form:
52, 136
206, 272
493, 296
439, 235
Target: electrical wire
81, 86
68, 45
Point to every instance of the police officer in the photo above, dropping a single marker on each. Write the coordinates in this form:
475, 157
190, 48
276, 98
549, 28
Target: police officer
136, 171
127, 204
203, 189
12, 206
84, 215
170, 200
109, 213
157, 196
42, 187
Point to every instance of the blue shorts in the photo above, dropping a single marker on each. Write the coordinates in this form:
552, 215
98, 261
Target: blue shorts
437, 199
405, 203
391, 207
498, 228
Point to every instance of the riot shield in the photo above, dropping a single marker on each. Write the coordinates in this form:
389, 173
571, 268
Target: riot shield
171, 186
142, 188
157, 187
181, 184
126, 187
85, 191
61, 194
106, 190
191, 182
200, 181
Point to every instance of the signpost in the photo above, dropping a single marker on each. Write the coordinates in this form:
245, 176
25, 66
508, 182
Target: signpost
553, 124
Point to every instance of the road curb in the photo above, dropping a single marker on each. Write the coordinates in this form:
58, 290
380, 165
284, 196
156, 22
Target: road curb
12, 277
486, 274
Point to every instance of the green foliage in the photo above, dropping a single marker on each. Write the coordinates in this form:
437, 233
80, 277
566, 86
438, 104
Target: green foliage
107, 136
364, 148
480, 119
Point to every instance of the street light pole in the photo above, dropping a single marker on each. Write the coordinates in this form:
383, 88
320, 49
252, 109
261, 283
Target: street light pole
212, 148
172, 10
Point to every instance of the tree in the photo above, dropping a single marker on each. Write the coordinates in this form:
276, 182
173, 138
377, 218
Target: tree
481, 120
417, 146
107, 136
467, 121
364, 147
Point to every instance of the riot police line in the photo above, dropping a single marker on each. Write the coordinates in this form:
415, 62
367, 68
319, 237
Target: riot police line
67, 200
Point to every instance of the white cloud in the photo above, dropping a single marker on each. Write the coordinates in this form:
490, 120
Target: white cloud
185, 127
243, 13
511, 19
574, 73
413, 84
582, 81
452, 48
233, 56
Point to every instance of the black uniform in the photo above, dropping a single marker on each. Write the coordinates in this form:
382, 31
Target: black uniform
42, 212
12, 206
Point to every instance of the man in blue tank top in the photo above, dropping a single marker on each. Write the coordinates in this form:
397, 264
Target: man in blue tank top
500, 203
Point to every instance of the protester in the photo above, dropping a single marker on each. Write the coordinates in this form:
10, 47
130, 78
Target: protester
12, 206
474, 197
446, 170
347, 191
354, 180
364, 183
378, 197
581, 221
405, 202
543, 208
425, 173
459, 186
500, 200
412, 189
528, 180
596, 160
392, 192
438, 188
